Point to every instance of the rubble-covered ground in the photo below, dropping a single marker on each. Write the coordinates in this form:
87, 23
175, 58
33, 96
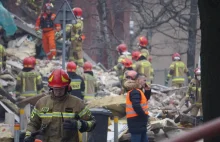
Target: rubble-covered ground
165, 105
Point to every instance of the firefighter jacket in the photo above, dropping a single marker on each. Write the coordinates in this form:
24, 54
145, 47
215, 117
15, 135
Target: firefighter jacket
77, 84
76, 30
90, 85
119, 68
136, 108
194, 92
46, 23
51, 112
29, 83
177, 71
145, 52
2, 58
143, 67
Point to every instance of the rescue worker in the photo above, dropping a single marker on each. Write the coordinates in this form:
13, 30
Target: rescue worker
152, 70
59, 114
143, 66
123, 53
135, 55
90, 81
3, 59
29, 82
194, 93
127, 63
77, 83
143, 42
76, 52
46, 22
177, 71
137, 105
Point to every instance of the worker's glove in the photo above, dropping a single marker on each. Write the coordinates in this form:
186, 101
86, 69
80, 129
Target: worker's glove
28, 138
83, 126
57, 34
79, 38
71, 125
38, 32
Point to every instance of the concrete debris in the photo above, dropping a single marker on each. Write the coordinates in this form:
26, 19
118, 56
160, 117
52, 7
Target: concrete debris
6, 134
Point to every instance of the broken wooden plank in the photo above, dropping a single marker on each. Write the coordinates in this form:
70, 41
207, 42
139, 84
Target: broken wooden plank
30, 100
17, 118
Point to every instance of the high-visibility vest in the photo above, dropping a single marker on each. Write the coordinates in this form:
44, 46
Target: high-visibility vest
130, 110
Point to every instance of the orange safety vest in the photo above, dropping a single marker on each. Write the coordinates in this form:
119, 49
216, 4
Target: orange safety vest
130, 110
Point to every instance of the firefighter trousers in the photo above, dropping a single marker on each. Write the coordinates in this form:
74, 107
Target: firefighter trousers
49, 46
76, 53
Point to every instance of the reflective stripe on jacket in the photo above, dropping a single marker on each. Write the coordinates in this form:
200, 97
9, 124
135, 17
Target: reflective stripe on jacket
129, 109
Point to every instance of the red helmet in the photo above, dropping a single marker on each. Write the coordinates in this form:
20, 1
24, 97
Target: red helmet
127, 62
58, 78
34, 60
48, 6
28, 62
143, 41
150, 59
87, 66
176, 56
135, 55
71, 67
77, 11
122, 48
197, 71
131, 75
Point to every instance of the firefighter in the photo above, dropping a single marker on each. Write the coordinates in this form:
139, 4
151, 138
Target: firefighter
46, 22
123, 53
3, 59
137, 105
143, 42
29, 81
177, 71
59, 115
90, 81
127, 63
77, 83
152, 70
135, 55
143, 66
76, 52
194, 93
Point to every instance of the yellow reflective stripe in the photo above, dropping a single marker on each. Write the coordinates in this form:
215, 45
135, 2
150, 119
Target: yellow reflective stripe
83, 112
23, 86
57, 114
35, 84
18, 78
176, 70
39, 77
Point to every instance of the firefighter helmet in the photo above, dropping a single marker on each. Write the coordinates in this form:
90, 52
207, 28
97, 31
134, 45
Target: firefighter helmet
87, 66
34, 60
150, 59
135, 55
127, 62
176, 56
122, 48
71, 67
58, 79
143, 41
133, 75
197, 71
48, 6
77, 11
28, 62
